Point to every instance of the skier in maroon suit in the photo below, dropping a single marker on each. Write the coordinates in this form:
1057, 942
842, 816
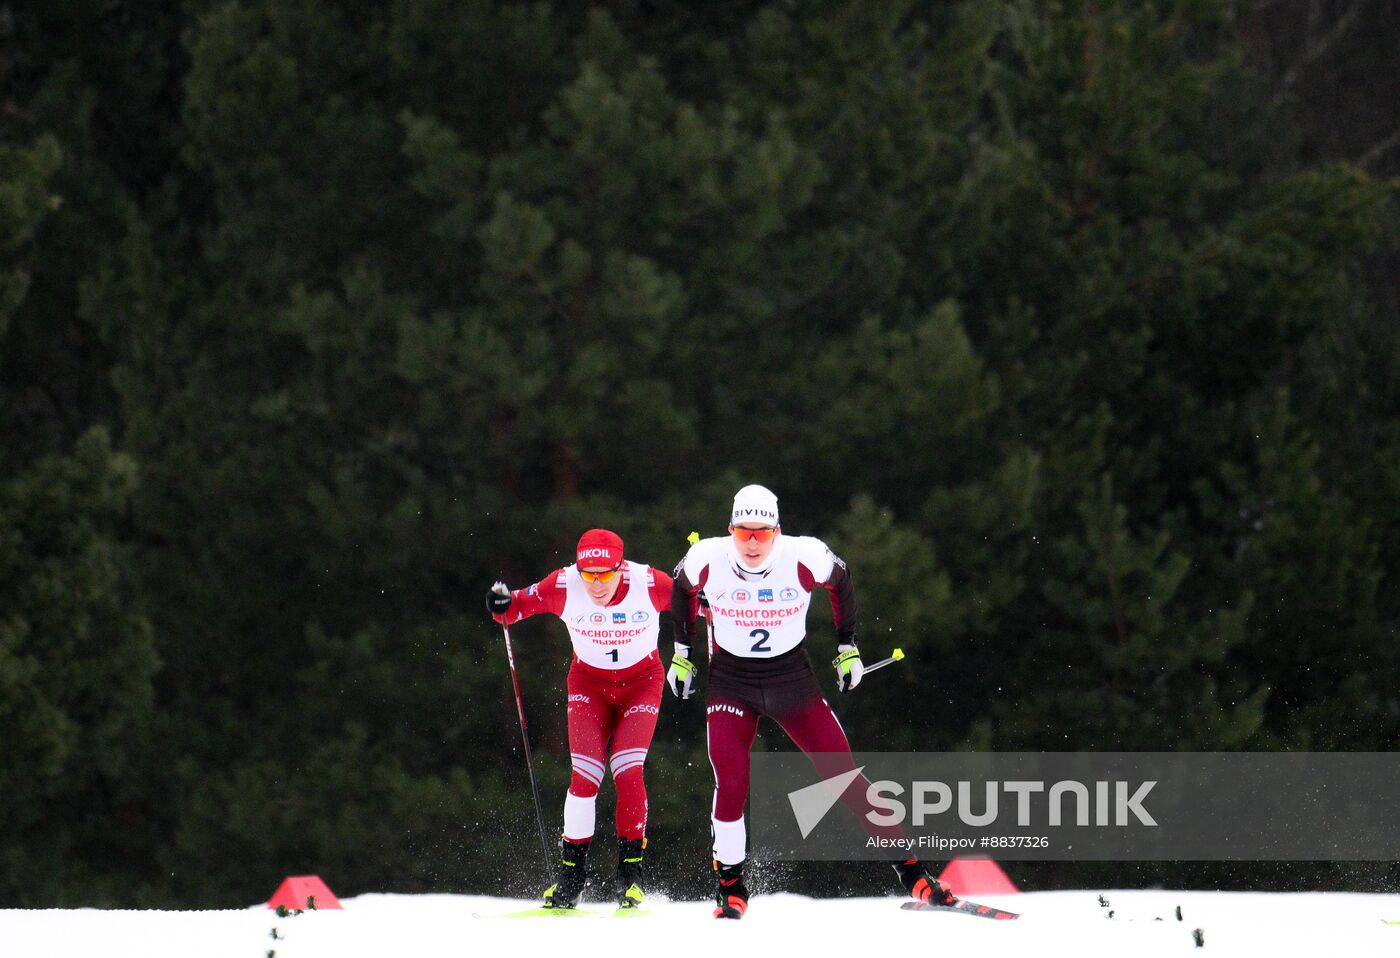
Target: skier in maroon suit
757, 585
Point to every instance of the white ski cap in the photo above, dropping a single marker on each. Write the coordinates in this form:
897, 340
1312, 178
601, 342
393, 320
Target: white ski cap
755, 504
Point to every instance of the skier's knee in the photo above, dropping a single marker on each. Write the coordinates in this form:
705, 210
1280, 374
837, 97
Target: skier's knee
581, 787
627, 761
587, 775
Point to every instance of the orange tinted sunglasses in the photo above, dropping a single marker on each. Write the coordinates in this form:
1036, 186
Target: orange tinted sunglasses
744, 534
599, 576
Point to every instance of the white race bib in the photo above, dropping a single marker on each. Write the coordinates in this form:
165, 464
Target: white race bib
616, 636
759, 615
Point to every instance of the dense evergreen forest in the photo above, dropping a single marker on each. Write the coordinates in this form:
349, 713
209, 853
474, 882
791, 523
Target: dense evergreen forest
1072, 326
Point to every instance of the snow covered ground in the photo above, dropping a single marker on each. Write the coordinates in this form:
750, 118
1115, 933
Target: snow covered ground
1070, 923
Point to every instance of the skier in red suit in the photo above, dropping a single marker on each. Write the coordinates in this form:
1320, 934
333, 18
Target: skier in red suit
612, 609
757, 584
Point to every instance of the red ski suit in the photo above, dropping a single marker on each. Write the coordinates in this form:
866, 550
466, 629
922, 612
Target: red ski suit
621, 704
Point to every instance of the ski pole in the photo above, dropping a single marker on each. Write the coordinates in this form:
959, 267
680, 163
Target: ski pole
896, 656
525, 737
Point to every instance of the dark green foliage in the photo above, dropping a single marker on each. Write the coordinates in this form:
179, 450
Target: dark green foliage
76, 663
1034, 312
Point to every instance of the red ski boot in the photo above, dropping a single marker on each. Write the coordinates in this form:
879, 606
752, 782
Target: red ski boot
732, 897
921, 885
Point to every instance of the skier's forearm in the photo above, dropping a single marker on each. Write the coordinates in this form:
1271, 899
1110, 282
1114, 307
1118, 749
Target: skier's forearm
545, 596
844, 608
683, 609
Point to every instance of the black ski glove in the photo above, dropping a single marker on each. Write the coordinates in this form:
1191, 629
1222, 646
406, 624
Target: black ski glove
498, 599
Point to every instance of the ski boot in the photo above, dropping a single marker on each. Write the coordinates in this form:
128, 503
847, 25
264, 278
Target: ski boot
629, 872
732, 897
573, 864
921, 885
